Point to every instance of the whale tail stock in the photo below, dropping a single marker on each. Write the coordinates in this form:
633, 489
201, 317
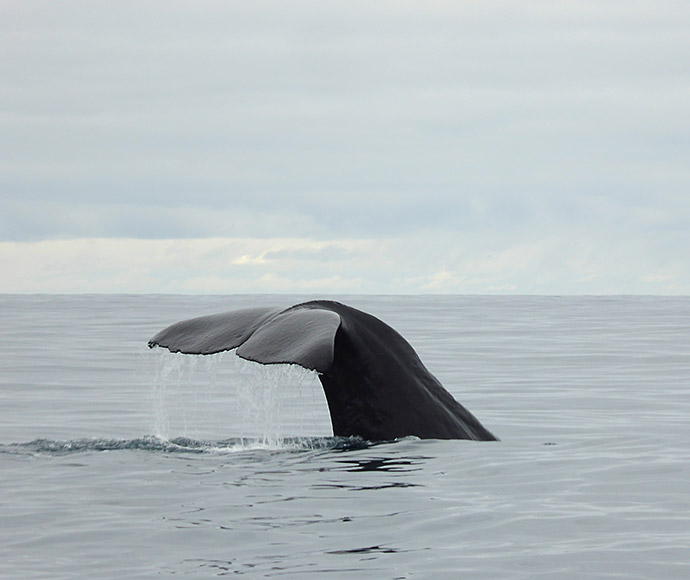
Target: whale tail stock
375, 384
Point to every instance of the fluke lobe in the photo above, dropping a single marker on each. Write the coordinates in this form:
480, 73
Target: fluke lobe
376, 385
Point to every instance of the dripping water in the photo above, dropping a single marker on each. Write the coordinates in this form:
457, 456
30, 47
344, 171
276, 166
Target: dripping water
221, 395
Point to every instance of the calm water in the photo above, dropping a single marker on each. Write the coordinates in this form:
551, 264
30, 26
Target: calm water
120, 462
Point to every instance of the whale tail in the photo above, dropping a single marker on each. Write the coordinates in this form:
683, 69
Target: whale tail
375, 384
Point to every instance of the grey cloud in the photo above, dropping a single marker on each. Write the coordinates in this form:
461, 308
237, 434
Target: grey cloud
325, 253
30, 221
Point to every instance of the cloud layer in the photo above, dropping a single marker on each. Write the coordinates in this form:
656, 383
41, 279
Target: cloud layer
423, 264
442, 146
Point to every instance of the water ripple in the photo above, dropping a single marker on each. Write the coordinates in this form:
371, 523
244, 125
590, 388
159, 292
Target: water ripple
155, 444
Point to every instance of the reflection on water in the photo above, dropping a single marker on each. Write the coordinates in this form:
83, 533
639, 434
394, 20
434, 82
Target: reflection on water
386, 485
395, 464
367, 550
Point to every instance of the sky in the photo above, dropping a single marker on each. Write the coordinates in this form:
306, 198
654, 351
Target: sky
344, 147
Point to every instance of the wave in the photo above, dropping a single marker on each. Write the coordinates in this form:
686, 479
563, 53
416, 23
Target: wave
155, 444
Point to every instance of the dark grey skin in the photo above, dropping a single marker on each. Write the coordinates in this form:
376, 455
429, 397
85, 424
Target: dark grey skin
376, 385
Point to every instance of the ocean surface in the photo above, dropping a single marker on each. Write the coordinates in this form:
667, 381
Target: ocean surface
117, 461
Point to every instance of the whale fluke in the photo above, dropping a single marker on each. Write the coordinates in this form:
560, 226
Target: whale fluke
375, 384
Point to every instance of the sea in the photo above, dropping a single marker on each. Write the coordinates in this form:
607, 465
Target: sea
122, 462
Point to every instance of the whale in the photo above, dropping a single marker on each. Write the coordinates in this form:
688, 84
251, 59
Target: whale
376, 386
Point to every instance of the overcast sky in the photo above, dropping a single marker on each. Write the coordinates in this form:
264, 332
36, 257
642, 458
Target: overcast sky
345, 146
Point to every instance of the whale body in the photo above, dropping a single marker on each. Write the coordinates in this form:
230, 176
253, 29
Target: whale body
375, 384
